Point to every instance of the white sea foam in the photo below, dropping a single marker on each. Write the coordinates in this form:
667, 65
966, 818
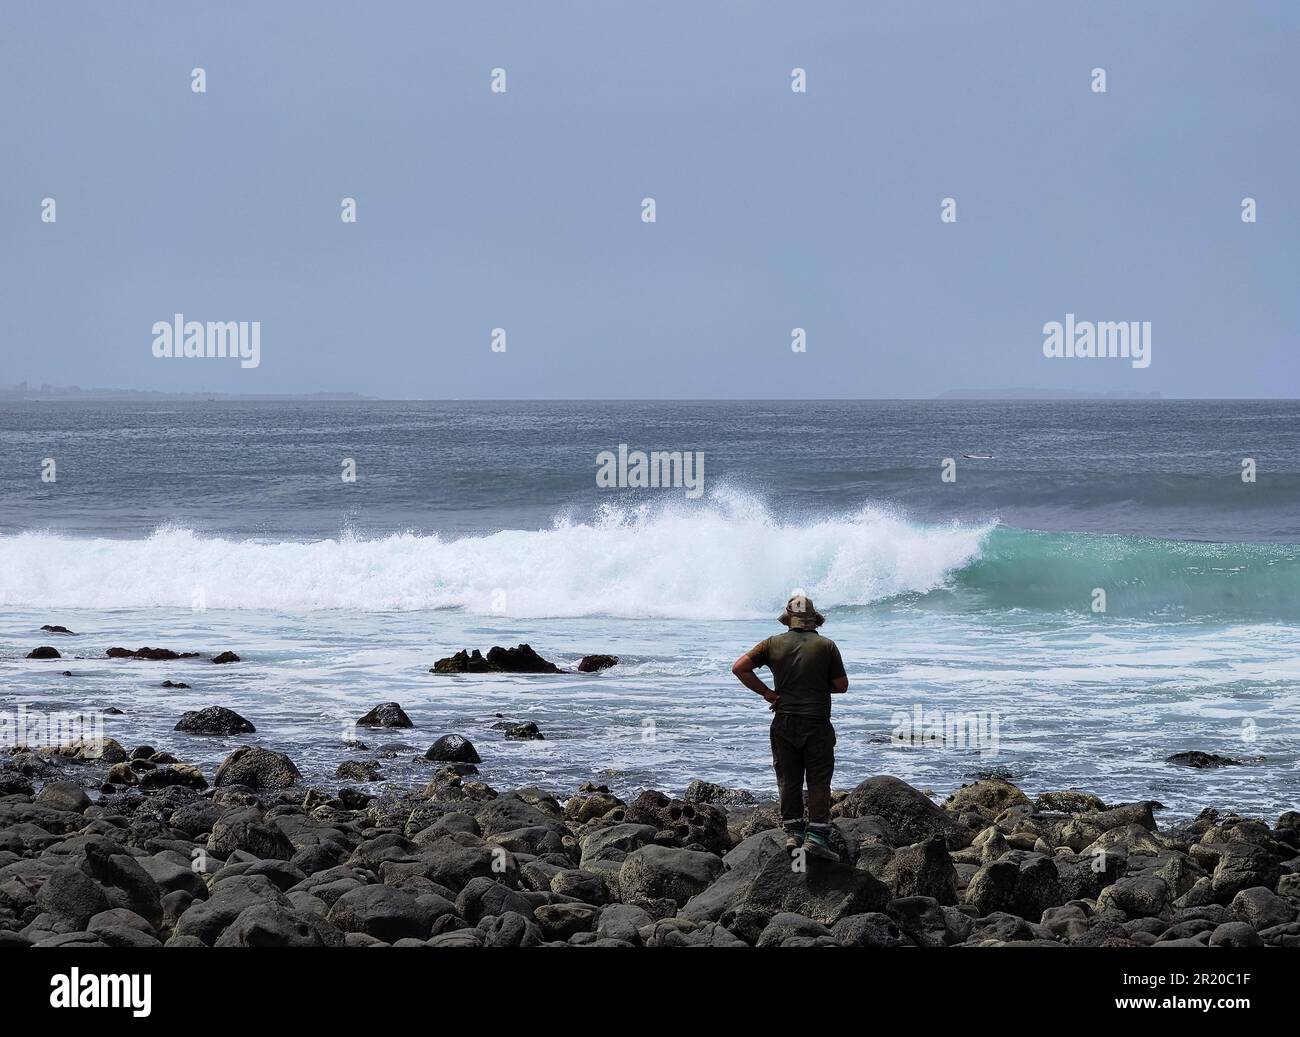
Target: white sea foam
725, 557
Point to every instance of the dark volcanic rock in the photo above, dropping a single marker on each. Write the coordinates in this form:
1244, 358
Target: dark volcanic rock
54, 628
155, 654
592, 663
44, 652
453, 749
707, 792
463, 662
390, 714
906, 810
225, 657
257, 768
521, 659
1202, 761
358, 770
174, 684
526, 731
214, 720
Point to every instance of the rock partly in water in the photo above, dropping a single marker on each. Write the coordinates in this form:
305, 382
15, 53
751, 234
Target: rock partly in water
1201, 760
225, 657
54, 628
592, 663
44, 652
257, 768
453, 749
390, 714
153, 654
521, 659
214, 720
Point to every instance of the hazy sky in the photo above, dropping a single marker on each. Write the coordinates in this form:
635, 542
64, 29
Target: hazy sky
775, 210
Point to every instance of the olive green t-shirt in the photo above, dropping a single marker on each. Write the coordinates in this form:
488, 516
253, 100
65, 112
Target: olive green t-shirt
803, 664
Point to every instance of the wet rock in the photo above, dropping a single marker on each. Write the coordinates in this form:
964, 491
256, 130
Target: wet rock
54, 628
358, 770
257, 768
463, 662
214, 720
592, 663
453, 749
152, 654
44, 652
225, 657
526, 731
521, 659
1202, 760
173, 684
390, 714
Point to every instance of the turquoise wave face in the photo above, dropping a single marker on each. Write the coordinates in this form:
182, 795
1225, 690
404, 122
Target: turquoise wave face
1130, 577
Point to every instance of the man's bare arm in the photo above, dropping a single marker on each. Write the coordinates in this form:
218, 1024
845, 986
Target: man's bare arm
743, 668
839, 685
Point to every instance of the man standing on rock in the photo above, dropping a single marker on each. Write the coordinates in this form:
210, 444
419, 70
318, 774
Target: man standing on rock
808, 670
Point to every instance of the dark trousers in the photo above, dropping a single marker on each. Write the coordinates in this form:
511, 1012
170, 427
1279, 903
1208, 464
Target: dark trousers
803, 747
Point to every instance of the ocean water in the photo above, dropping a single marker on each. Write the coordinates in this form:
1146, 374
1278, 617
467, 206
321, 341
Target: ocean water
966, 605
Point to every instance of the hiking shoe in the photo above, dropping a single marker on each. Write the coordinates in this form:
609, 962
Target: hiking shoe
794, 836
816, 844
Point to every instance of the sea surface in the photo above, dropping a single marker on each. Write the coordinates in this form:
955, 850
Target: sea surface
969, 605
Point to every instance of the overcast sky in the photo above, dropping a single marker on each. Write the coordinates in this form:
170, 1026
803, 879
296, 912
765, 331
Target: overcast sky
775, 210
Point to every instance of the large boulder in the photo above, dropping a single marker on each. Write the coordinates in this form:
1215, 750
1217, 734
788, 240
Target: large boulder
989, 796
385, 913
244, 829
258, 769
1019, 882
1241, 866
272, 925
453, 749
214, 720
923, 870
390, 714
1261, 908
820, 890
654, 874
63, 795
907, 811
592, 663
1135, 896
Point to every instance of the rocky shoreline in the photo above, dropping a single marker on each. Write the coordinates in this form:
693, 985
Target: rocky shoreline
256, 859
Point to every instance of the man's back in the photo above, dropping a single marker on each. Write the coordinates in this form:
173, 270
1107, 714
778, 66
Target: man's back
803, 665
